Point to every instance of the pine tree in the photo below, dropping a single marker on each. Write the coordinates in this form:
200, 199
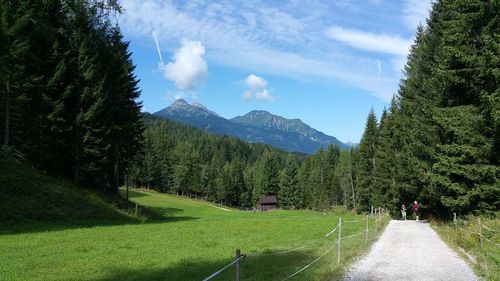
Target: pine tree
459, 182
14, 55
290, 195
320, 182
384, 172
344, 177
464, 176
270, 174
367, 163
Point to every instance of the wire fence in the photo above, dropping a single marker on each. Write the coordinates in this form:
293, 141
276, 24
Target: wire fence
337, 243
11, 153
480, 227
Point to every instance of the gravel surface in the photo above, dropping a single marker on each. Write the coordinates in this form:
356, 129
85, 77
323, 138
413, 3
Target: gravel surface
410, 250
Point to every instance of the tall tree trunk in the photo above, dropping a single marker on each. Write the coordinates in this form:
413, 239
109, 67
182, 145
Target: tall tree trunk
6, 138
344, 195
77, 167
78, 146
352, 187
116, 172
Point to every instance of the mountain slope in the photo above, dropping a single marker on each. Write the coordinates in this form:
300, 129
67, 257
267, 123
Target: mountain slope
256, 126
198, 116
260, 118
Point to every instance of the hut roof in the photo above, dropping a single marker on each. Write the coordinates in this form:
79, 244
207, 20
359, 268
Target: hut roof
268, 200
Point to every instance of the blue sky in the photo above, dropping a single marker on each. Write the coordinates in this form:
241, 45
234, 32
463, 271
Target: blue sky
325, 62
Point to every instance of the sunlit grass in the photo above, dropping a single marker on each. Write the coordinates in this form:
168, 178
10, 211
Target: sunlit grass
196, 239
464, 239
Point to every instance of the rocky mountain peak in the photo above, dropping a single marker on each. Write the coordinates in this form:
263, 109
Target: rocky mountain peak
179, 103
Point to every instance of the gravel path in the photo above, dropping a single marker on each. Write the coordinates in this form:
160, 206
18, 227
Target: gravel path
409, 250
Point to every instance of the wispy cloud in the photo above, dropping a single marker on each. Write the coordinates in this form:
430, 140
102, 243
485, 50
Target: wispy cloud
415, 12
368, 41
286, 40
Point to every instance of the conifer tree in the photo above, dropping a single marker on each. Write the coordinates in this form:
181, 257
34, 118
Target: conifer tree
270, 174
367, 163
290, 195
14, 56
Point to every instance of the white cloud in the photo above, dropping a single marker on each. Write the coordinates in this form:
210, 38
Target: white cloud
415, 12
382, 43
286, 40
188, 68
264, 95
257, 89
255, 82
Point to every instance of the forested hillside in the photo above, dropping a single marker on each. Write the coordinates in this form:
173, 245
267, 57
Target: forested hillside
70, 108
184, 160
439, 141
68, 89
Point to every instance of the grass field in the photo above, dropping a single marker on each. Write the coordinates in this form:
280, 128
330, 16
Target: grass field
194, 240
464, 239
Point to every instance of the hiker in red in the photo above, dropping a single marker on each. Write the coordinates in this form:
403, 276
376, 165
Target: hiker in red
416, 209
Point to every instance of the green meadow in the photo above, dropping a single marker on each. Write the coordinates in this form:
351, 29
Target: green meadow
191, 241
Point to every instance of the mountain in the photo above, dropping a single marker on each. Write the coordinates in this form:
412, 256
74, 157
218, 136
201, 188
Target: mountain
198, 116
261, 118
255, 126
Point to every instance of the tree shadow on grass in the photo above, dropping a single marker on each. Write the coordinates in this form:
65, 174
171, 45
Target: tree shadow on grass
27, 226
148, 215
133, 193
270, 267
158, 214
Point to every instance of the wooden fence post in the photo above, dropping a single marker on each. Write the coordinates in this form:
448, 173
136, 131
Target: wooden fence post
455, 220
366, 229
480, 232
340, 239
238, 268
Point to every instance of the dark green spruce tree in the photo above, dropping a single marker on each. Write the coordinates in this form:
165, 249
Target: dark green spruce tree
290, 195
367, 164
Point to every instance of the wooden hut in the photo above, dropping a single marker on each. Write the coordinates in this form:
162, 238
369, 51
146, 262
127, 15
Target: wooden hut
266, 203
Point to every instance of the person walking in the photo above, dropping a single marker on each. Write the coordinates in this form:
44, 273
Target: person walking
403, 211
416, 209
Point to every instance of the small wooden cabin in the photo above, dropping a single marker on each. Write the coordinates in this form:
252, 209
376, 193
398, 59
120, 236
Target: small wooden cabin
266, 203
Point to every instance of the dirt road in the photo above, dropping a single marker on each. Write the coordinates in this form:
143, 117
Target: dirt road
409, 250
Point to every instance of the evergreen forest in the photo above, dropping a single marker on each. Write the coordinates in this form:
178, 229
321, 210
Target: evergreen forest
70, 108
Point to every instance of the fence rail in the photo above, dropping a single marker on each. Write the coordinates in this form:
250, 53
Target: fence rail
480, 234
227, 266
337, 243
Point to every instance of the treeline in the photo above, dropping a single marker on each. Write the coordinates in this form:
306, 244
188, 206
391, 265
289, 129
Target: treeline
183, 160
68, 89
439, 142
180, 159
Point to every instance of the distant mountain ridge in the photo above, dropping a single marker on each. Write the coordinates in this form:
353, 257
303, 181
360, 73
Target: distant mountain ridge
255, 126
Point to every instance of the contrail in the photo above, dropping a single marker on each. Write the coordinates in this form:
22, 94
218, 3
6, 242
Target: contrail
157, 46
